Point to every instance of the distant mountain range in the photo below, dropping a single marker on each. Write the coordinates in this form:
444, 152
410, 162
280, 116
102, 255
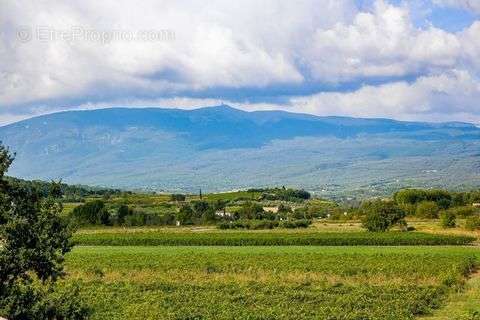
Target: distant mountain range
222, 148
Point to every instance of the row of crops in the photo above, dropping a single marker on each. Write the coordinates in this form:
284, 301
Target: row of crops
267, 239
267, 282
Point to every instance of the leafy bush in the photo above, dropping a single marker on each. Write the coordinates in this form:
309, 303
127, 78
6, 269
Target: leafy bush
463, 211
427, 209
381, 215
448, 219
122, 212
91, 213
292, 224
472, 223
442, 198
285, 194
251, 210
140, 218
178, 197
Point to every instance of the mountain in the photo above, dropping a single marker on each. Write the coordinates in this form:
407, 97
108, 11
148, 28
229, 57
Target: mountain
222, 148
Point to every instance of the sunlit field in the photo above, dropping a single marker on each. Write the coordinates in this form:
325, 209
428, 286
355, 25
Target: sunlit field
268, 282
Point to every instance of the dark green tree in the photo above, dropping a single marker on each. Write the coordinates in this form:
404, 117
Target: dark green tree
185, 215
199, 208
122, 212
33, 241
448, 219
91, 213
382, 215
178, 197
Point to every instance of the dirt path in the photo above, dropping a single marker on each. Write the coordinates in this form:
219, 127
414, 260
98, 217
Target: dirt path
464, 305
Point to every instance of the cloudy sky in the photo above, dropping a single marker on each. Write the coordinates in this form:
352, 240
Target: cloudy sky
402, 59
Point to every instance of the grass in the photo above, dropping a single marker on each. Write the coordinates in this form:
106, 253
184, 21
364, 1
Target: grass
245, 238
464, 305
267, 282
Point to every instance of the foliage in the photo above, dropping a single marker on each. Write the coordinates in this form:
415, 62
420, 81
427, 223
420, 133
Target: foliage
381, 215
34, 240
448, 219
185, 215
443, 198
251, 210
255, 224
427, 209
249, 224
178, 197
284, 194
68, 191
91, 213
472, 223
292, 224
122, 212
464, 211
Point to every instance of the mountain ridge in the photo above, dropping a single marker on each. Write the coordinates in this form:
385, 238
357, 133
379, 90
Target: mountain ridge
222, 148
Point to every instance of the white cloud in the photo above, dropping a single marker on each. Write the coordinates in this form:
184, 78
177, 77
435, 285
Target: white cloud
381, 43
216, 44
239, 45
443, 97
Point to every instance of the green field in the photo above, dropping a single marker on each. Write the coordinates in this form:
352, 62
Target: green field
268, 282
333, 269
246, 238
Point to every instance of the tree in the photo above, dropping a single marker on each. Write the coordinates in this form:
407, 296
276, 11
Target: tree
34, 240
200, 208
447, 219
185, 215
251, 210
178, 197
427, 209
93, 212
122, 212
382, 215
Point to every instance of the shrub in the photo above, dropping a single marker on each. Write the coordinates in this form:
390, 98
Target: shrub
427, 209
472, 223
381, 215
178, 197
263, 224
413, 196
292, 224
122, 212
464, 211
185, 215
251, 210
448, 219
92, 213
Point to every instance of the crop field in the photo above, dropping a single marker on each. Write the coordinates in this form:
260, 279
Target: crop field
246, 238
277, 282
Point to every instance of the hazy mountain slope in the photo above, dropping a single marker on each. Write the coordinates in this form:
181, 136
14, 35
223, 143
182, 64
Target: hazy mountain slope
224, 148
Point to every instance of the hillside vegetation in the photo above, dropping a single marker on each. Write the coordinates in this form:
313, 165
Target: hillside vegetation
221, 148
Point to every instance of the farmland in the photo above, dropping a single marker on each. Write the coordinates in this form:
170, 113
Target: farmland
248, 238
305, 282
273, 253
260, 268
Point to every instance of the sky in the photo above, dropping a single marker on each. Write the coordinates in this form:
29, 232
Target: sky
402, 59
